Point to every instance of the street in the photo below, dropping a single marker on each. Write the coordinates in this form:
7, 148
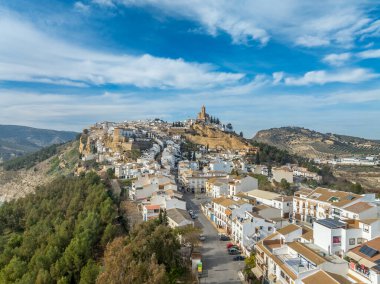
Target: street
218, 266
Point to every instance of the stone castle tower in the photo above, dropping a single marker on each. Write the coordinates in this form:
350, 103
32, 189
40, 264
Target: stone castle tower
203, 116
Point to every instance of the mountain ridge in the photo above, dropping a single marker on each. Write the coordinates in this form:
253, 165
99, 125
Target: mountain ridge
17, 140
314, 144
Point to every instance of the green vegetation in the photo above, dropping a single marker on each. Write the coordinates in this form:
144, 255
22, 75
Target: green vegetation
250, 262
264, 183
32, 159
150, 254
71, 231
57, 234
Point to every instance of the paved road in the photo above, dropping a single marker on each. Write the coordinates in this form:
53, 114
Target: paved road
218, 266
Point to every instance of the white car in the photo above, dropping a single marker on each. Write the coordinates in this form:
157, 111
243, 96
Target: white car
202, 238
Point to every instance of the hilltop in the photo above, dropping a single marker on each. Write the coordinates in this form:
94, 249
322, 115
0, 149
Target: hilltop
215, 138
18, 140
313, 144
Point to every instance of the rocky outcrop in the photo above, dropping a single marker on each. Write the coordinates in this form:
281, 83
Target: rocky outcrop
215, 138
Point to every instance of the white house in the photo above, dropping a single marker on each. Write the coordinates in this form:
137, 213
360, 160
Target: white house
338, 237
178, 218
242, 184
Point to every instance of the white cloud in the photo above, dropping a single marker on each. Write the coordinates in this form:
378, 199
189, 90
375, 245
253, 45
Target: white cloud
26, 54
305, 23
367, 54
105, 3
337, 59
277, 77
81, 7
312, 41
322, 77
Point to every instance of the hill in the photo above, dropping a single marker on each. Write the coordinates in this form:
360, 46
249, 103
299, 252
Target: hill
22, 175
313, 144
215, 138
18, 140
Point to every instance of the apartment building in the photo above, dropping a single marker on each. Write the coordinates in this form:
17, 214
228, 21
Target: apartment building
324, 203
249, 228
195, 181
272, 199
290, 262
226, 209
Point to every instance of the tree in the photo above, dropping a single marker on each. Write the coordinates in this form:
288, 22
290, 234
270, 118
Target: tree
357, 188
257, 158
150, 254
284, 184
241, 134
110, 173
89, 272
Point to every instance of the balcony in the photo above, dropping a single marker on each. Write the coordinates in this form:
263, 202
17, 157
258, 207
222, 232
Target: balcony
360, 269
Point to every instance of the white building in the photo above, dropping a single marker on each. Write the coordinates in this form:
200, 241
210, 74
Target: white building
249, 228
338, 237
242, 184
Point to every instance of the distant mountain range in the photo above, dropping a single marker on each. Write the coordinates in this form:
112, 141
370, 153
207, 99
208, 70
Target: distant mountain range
18, 140
313, 144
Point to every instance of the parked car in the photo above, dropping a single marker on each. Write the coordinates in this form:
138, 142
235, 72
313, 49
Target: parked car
224, 238
191, 212
239, 258
193, 216
202, 238
235, 247
233, 251
228, 245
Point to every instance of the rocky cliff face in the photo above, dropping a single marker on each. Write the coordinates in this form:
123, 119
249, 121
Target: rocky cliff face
16, 184
314, 144
214, 138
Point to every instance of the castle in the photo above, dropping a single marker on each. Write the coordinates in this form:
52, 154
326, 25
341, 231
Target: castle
203, 116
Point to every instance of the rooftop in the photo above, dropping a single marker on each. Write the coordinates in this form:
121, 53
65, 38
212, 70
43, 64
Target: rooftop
367, 253
335, 197
178, 215
257, 193
288, 229
323, 277
307, 252
359, 207
331, 223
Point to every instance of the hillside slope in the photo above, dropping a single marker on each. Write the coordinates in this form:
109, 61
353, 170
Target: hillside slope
313, 144
18, 140
18, 183
215, 138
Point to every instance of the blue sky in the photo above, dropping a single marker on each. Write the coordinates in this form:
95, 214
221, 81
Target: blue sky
256, 64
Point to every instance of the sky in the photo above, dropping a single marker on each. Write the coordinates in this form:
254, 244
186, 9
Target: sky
256, 64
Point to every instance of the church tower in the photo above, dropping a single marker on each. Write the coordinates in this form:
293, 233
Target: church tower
203, 116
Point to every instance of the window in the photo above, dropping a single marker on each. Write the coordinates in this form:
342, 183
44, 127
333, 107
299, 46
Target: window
282, 274
359, 241
336, 240
351, 241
